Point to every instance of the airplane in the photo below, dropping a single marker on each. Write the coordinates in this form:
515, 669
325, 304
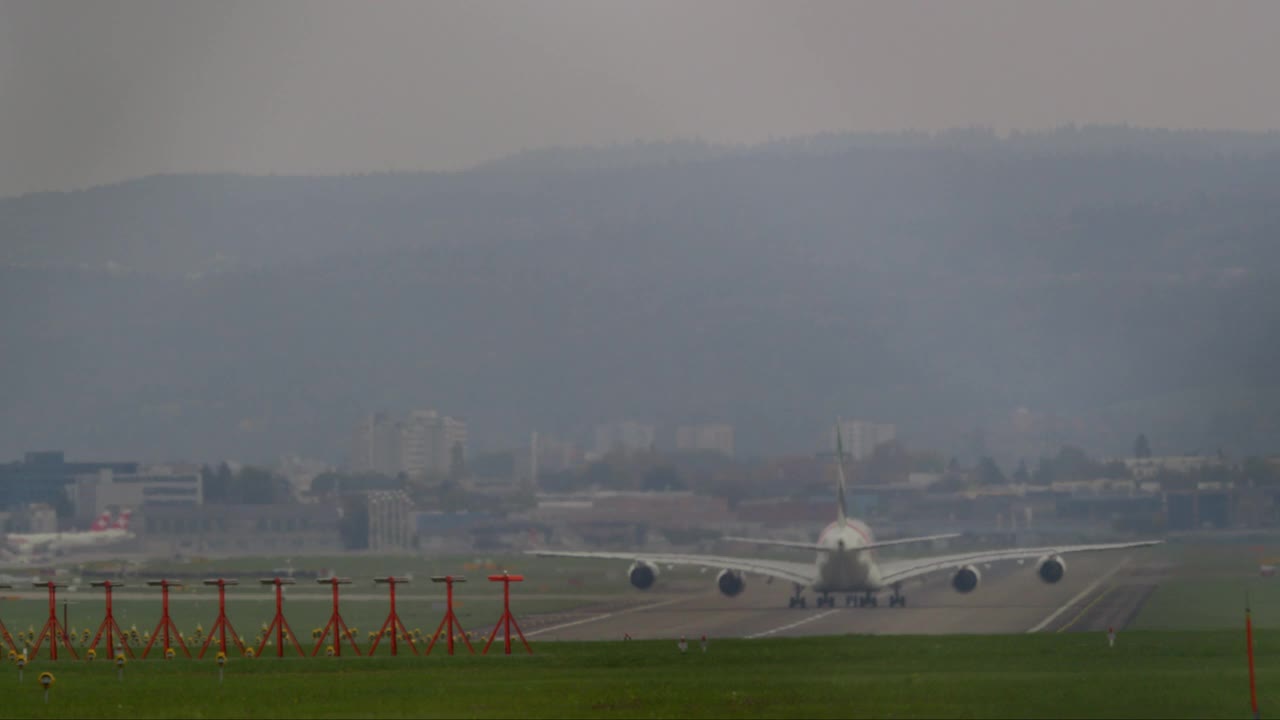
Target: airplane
845, 562
102, 532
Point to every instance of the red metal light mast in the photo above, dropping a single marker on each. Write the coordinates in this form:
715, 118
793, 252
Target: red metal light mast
507, 618
336, 623
393, 619
450, 619
166, 624
222, 624
109, 624
4, 631
279, 624
53, 628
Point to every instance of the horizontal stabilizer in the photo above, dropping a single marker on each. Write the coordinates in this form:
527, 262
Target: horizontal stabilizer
815, 546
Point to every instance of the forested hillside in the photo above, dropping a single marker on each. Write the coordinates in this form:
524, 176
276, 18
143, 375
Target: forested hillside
1081, 286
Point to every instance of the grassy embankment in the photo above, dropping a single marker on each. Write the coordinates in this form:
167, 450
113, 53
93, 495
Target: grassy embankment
1148, 674
1207, 585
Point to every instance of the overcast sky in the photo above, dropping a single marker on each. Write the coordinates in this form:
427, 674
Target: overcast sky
97, 91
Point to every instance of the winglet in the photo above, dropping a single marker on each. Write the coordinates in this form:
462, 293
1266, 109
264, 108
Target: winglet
840, 507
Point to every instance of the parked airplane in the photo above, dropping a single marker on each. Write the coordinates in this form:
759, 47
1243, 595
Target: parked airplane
845, 563
102, 532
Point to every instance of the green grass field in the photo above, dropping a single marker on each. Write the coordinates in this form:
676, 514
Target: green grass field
1207, 586
1148, 674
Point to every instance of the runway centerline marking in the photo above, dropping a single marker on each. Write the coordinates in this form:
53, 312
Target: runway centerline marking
1087, 608
1083, 593
606, 616
798, 623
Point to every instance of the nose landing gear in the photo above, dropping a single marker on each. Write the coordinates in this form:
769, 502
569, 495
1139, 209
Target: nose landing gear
867, 599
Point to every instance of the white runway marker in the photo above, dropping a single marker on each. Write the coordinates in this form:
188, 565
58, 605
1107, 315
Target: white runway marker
1077, 598
798, 623
606, 616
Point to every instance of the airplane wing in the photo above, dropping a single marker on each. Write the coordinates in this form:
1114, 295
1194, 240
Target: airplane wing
802, 573
899, 570
872, 546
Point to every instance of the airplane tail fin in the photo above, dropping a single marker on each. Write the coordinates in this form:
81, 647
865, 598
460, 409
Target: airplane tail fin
840, 504
122, 522
102, 523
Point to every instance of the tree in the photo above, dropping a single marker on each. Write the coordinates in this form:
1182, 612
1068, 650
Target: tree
249, 486
989, 473
889, 463
1021, 475
457, 461
662, 478
1141, 447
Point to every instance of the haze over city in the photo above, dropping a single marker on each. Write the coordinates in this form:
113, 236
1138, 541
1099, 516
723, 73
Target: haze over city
921, 352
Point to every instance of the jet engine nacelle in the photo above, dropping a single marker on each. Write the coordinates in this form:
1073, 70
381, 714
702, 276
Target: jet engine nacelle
966, 579
730, 583
642, 574
1052, 568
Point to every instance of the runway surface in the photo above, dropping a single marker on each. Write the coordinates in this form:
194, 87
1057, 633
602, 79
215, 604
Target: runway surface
1098, 591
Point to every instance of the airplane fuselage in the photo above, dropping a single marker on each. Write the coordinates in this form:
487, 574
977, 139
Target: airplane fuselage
843, 568
23, 543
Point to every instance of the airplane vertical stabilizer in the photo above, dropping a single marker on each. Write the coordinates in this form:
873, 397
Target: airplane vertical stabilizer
840, 506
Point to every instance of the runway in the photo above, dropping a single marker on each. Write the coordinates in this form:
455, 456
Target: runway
1097, 592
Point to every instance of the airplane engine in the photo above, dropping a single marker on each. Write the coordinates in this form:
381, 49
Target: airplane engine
966, 579
642, 574
1052, 568
730, 583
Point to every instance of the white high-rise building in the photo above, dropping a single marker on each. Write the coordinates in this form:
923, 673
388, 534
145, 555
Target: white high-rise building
861, 437
376, 445
626, 435
421, 444
716, 437
428, 439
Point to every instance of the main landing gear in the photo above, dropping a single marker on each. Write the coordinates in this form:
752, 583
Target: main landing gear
867, 599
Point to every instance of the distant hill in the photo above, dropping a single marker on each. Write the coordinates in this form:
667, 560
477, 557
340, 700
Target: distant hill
1107, 280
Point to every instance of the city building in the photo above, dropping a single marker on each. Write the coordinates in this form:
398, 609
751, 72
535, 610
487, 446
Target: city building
624, 436
714, 437
377, 520
390, 524
150, 486
375, 446
47, 477
1151, 466
421, 444
861, 437
242, 529
427, 442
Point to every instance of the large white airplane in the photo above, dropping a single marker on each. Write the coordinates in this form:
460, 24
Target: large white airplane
845, 562
102, 532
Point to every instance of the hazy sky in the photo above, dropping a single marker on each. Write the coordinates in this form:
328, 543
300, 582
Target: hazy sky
97, 91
